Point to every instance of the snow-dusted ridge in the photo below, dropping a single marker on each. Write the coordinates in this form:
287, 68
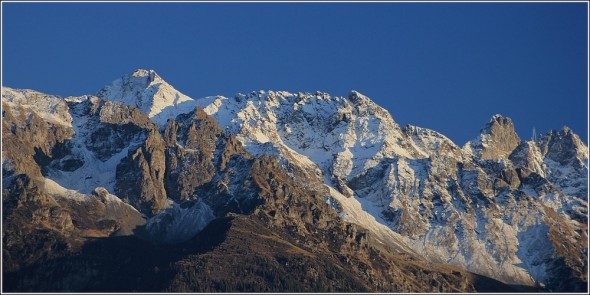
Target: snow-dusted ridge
415, 181
50, 107
487, 206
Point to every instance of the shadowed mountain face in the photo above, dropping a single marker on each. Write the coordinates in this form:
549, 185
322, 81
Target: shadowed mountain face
145, 189
238, 254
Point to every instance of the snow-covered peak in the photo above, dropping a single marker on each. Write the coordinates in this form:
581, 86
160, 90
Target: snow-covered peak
357, 97
151, 74
51, 107
146, 90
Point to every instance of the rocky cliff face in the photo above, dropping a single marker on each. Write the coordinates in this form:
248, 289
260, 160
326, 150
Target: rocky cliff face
331, 177
497, 140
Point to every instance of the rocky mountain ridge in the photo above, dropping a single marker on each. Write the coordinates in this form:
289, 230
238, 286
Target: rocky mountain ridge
67, 239
457, 205
508, 209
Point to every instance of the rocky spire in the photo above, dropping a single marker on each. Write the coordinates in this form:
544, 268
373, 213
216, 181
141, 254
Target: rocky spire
496, 140
563, 146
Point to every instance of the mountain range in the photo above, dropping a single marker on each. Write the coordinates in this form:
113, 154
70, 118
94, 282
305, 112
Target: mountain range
142, 188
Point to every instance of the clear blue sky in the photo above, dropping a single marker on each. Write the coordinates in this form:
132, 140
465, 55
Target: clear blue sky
444, 66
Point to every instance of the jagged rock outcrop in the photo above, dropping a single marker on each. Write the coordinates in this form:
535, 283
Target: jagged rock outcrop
30, 135
191, 142
497, 140
563, 146
527, 159
140, 175
206, 176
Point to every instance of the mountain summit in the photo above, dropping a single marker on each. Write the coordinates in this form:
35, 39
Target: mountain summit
497, 139
146, 90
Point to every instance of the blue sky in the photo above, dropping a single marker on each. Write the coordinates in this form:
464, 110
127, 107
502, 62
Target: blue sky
444, 66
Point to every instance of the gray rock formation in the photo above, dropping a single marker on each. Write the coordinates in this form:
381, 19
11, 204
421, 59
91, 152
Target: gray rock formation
140, 175
497, 139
